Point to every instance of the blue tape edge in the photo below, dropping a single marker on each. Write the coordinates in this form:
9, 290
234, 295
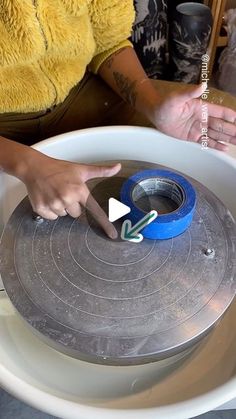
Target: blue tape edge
165, 226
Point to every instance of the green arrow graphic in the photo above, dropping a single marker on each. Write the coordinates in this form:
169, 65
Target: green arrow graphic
131, 233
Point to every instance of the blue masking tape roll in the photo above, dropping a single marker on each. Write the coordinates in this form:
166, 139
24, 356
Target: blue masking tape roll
164, 183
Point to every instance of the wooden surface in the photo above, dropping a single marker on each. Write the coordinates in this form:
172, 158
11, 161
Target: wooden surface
218, 9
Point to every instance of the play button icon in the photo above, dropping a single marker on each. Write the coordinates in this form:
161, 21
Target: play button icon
116, 209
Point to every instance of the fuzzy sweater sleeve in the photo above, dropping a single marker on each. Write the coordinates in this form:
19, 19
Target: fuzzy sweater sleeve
112, 24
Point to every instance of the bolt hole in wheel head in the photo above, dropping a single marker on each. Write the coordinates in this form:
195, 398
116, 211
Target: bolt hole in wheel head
119, 303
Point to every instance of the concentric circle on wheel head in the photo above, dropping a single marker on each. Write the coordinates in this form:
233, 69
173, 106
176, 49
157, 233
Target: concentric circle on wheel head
117, 302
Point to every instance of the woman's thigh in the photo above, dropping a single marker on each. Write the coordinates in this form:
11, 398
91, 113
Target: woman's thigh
23, 128
91, 103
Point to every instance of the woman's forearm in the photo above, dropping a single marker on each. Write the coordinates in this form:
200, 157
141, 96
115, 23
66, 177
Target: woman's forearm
123, 72
15, 158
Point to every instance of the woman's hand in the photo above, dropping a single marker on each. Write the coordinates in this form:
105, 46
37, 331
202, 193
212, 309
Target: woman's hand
57, 188
181, 115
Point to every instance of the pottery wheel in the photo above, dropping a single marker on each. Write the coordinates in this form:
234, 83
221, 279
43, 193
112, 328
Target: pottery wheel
118, 302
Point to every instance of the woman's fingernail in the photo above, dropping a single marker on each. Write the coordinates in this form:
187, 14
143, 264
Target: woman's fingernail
113, 234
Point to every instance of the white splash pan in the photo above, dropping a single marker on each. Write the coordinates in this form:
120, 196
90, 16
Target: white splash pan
68, 388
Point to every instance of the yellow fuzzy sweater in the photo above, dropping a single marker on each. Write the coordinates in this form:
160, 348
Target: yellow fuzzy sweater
46, 45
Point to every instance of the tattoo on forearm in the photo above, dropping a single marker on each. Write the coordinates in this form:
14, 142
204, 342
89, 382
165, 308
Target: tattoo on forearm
126, 87
110, 60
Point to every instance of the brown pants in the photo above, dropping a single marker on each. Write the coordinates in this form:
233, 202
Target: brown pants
91, 103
